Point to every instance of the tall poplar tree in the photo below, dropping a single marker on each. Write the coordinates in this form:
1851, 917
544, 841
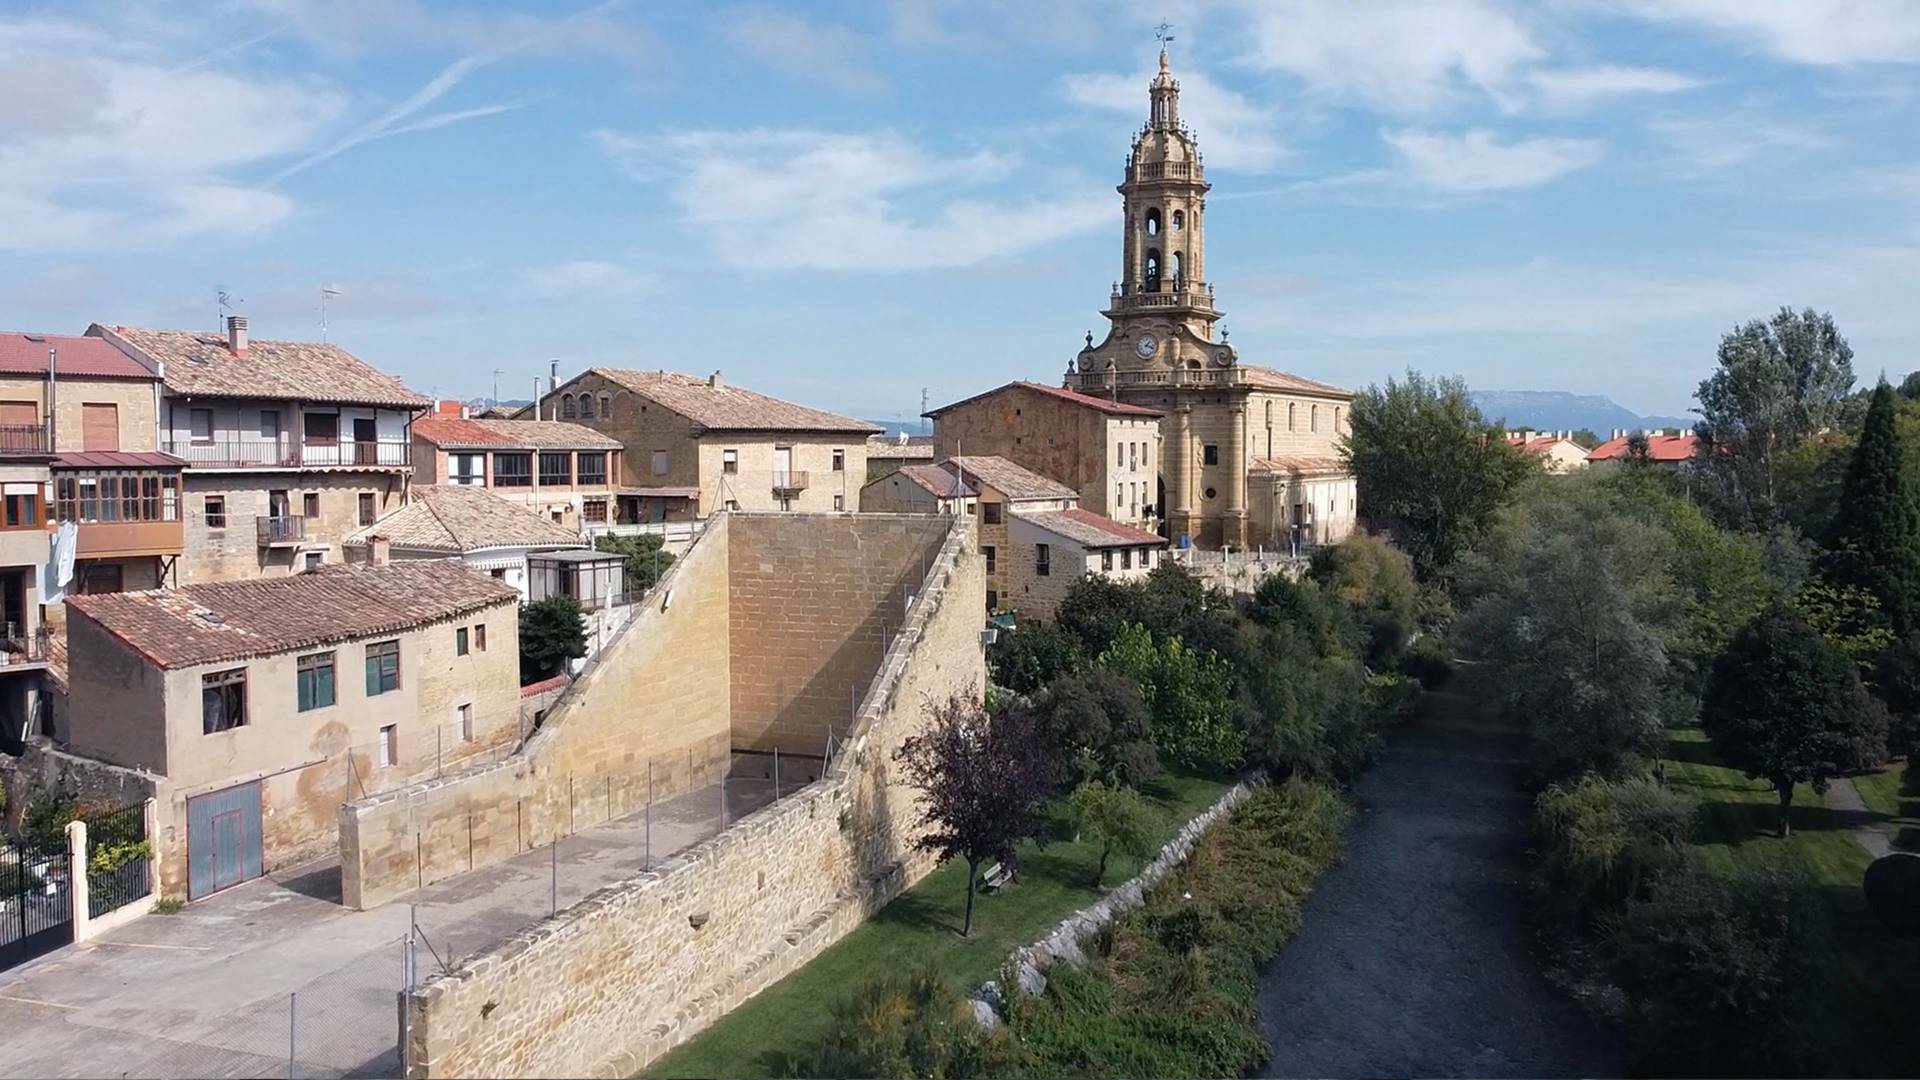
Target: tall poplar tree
1873, 543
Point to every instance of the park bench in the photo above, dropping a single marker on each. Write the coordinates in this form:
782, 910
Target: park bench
995, 876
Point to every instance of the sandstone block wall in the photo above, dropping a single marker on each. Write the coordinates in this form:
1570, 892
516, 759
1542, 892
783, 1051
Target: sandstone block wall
610, 984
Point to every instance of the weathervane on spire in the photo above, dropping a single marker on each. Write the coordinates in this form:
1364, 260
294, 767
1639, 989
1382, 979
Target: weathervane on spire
1163, 32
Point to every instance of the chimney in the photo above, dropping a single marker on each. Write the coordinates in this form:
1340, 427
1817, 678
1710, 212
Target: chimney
717, 381
237, 334
379, 550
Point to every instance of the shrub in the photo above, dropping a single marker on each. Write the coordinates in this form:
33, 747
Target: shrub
1892, 887
1032, 655
1429, 660
1721, 973
44, 826
1375, 580
647, 559
1601, 840
904, 1023
1099, 724
552, 632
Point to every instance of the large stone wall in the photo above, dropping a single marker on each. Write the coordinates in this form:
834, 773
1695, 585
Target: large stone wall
608, 985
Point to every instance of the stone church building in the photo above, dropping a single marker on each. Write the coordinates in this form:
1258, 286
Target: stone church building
1250, 455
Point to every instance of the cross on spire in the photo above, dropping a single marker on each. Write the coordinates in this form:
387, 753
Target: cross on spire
1163, 33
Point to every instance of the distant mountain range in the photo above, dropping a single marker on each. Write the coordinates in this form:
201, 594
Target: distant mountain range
1557, 410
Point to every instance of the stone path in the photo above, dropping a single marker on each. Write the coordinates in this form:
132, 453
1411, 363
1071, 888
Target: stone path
236, 984
1415, 954
1875, 835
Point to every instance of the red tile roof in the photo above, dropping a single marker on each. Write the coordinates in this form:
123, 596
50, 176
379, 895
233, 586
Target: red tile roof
934, 478
117, 459
1659, 448
726, 407
75, 357
1014, 481
1072, 397
451, 431
200, 364
1091, 530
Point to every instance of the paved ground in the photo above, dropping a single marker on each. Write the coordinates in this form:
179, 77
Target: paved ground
1874, 834
239, 983
1414, 958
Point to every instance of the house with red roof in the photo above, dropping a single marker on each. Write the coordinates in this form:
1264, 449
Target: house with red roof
1105, 450
1049, 550
1667, 451
1557, 451
566, 472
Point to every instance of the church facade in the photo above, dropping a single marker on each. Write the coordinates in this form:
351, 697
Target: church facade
1250, 455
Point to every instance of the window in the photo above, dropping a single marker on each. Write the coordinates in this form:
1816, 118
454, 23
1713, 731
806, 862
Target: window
23, 510
99, 426
499, 573
839, 461
1210, 454
313, 675
467, 469
593, 468
733, 504
463, 722
513, 470
223, 700
368, 512
1290, 410
1313, 419
1126, 558
987, 551
556, 467
201, 424
839, 502
659, 463
270, 425
1106, 560
388, 746
567, 408
323, 429
1119, 497
1336, 419
100, 579
993, 599
383, 667
990, 513
606, 406
729, 461
1119, 456
1179, 220
1043, 559
594, 510
215, 511
460, 641
479, 637
310, 504
314, 559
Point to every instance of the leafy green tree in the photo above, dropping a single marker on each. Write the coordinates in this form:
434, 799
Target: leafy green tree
552, 632
1190, 696
1098, 723
1430, 468
1896, 682
1031, 655
1778, 382
1601, 840
1585, 439
1848, 618
1095, 608
646, 557
1809, 477
1786, 706
1118, 818
1874, 540
1910, 386
1374, 580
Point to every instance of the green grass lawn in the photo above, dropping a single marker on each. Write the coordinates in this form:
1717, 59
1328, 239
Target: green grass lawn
922, 923
1868, 1022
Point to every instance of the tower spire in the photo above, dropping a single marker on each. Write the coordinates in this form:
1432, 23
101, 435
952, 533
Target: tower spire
1164, 92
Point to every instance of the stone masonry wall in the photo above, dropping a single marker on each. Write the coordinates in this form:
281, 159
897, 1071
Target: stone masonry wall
610, 984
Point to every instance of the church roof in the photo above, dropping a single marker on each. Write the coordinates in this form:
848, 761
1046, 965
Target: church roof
1272, 379
1071, 397
1309, 466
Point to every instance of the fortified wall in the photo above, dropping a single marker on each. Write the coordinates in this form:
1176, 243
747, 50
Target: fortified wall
804, 603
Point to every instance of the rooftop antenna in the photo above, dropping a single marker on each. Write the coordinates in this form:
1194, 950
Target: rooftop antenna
923, 411
327, 292
496, 386
224, 302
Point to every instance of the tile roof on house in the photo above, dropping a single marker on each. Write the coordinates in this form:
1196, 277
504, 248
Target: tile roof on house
222, 621
914, 448
74, 357
1539, 444
1090, 530
1273, 379
200, 364
938, 481
1072, 397
1015, 481
724, 407
1302, 465
118, 459
452, 432
458, 518
1659, 448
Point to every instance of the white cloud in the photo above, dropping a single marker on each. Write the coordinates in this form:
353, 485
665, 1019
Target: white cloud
1820, 32
1709, 143
1477, 161
1579, 87
831, 54
586, 279
796, 199
1234, 133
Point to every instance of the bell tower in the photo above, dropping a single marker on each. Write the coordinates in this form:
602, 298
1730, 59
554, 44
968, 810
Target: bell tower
1161, 311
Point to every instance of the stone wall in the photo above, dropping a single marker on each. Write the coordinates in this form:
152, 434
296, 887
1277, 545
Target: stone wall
610, 984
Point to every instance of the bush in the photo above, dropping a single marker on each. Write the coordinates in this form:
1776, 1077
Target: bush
1099, 724
1375, 580
1031, 656
1600, 841
552, 632
1721, 973
1892, 887
44, 826
647, 559
909, 1023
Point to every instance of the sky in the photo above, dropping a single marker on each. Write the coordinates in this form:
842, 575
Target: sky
847, 204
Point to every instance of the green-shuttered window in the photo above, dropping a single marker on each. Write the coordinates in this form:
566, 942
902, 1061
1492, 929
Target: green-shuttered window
383, 667
314, 673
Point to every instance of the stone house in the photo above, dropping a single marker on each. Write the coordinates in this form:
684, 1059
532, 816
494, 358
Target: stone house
885, 455
1106, 450
261, 706
1002, 491
697, 446
289, 446
918, 489
1048, 550
560, 470
484, 531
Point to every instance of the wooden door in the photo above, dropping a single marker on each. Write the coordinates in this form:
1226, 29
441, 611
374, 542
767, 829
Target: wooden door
99, 426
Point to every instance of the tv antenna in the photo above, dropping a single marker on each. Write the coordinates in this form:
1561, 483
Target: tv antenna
923, 410
327, 292
224, 302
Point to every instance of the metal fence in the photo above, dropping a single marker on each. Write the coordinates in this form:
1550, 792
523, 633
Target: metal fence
119, 859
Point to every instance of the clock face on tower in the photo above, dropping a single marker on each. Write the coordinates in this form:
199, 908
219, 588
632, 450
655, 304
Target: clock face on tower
1145, 346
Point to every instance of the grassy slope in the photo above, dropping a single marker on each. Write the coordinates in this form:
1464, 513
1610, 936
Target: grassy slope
1880, 974
923, 922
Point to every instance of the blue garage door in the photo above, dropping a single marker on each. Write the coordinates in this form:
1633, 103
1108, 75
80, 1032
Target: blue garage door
223, 839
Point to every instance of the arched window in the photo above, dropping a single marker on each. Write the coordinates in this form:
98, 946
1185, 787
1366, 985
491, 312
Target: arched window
1290, 407
567, 407
1153, 270
1313, 419
1269, 414
1179, 220
1177, 276
1153, 221
1336, 419
606, 406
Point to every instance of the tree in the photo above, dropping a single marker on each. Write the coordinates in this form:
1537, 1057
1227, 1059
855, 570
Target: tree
1778, 382
1585, 439
1190, 695
1117, 817
1430, 468
1786, 706
646, 555
1896, 682
981, 779
1097, 723
1910, 386
1095, 608
552, 632
1032, 655
1874, 541
1375, 580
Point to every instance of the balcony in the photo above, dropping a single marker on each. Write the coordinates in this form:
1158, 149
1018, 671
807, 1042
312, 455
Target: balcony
1097, 382
23, 440
1165, 170
1179, 294
233, 452
280, 531
23, 650
791, 482
129, 539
